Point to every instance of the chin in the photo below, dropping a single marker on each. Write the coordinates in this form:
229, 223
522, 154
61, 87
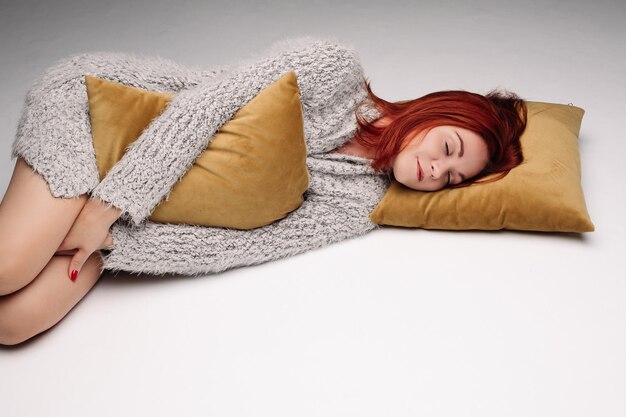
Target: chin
409, 184
415, 187
404, 179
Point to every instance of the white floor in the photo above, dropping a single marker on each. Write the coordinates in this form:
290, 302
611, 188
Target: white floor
395, 323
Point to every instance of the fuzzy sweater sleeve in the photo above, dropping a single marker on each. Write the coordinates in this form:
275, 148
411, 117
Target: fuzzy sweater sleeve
161, 249
54, 131
167, 148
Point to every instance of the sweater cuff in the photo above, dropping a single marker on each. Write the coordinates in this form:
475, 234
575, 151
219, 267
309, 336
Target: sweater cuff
115, 198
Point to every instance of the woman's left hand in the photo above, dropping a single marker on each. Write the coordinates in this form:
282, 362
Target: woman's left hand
89, 233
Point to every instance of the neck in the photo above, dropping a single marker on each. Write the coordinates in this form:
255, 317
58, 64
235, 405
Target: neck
352, 147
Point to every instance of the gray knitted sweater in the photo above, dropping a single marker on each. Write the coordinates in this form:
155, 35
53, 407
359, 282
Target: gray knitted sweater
54, 137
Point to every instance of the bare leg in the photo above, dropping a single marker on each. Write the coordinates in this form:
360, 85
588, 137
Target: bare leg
33, 224
46, 300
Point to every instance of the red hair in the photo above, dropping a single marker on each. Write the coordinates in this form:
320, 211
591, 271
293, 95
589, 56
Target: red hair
498, 117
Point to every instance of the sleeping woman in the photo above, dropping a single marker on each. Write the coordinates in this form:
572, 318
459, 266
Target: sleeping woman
61, 226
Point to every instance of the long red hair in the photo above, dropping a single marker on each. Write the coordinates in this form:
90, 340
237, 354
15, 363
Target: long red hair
498, 117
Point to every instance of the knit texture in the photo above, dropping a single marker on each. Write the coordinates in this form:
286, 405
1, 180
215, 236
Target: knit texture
54, 138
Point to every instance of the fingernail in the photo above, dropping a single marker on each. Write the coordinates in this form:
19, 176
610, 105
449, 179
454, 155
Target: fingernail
74, 275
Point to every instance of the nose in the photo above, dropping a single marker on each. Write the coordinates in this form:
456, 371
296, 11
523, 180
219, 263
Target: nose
435, 169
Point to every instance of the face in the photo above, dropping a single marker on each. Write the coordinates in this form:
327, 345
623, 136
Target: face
442, 156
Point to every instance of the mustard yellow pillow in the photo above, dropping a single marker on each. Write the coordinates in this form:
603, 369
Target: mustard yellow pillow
252, 173
544, 193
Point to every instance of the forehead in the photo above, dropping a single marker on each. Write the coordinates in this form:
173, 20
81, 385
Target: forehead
475, 152
472, 141
468, 136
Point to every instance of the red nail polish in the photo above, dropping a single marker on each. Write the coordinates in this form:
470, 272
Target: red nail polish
74, 274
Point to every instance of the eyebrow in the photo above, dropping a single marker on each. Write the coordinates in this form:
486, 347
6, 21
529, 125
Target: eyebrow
461, 154
461, 140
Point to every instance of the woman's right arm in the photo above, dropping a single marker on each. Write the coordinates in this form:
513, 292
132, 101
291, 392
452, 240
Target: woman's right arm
158, 248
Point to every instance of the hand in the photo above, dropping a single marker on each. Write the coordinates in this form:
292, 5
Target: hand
89, 233
107, 244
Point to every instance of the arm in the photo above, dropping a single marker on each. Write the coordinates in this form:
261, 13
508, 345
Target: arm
167, 148
190, 250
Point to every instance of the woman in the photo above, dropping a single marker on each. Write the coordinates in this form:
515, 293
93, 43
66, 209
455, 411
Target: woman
56, 205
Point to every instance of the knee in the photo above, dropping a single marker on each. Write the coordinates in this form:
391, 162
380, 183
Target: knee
13, 328
16, 270
9, 275
10, 336
22, 317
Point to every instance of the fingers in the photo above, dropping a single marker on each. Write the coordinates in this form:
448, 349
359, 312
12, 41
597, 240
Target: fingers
77, 262
67, 249
66, 252
80, 255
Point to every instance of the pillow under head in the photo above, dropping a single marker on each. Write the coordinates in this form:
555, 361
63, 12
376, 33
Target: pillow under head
544, 193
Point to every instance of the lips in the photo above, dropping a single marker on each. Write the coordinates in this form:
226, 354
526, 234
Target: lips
420, 173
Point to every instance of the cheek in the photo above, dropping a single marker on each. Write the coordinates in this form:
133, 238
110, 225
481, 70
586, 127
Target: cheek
434, 147
477, 167
405, 157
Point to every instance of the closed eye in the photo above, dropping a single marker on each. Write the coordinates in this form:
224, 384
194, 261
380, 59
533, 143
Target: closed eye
448, 154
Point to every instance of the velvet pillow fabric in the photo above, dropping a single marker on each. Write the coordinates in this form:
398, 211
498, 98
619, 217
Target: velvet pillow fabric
252, 173
544, 193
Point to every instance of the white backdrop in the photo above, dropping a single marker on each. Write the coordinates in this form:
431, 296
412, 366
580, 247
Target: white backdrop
396, 323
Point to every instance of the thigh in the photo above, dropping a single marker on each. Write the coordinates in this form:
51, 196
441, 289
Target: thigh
33, 224
47, 299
